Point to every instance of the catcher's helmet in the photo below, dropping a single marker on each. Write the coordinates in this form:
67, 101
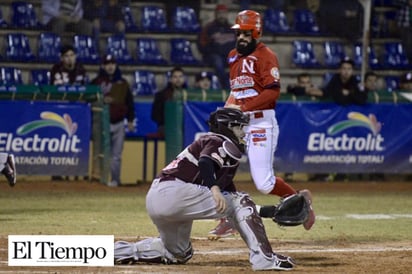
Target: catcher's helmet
249, 20
223, 120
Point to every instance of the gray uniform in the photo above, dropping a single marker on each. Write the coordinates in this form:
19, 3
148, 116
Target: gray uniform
178, 197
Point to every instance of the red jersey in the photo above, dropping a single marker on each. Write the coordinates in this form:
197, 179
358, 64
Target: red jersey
254, 79
59, 75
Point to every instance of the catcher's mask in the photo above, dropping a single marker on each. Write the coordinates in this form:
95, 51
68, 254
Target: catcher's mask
249, 20
223, 120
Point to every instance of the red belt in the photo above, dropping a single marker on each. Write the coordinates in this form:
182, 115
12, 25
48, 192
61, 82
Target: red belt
257, 114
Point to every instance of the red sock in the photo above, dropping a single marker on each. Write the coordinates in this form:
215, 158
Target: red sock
282, 188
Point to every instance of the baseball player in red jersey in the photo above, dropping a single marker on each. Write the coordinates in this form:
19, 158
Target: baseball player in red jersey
198, 184
255, 88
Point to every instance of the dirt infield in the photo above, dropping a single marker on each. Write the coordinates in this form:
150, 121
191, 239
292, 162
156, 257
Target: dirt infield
231, 256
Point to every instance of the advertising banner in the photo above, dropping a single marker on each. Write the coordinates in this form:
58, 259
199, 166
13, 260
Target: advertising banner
46, 137
143, 122
195, 116
324, 137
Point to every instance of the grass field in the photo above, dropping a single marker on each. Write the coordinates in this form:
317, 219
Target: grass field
347, 214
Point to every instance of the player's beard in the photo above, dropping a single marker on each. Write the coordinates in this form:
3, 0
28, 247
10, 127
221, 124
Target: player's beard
246, 49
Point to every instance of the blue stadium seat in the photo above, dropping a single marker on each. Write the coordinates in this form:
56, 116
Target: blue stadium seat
275, 21
18, 48
10, 76
303, 54
144, 83
334, 52
117, 46
389, 18
381, 23
181, 52
304, 22
3, 23
326, 78
24, 15
185, 20
129, 21
153, 19
357, 57
375, 26
86, 49
384, 3
215, 85
148, 52
391, 83
48, 47
40, 77
394, 56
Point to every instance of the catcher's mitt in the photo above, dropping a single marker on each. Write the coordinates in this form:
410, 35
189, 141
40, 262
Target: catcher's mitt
292, 211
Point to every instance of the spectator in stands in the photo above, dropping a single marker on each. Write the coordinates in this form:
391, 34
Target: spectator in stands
371, 85
61, 16
404, 23
343, 88
67, 72
172, 91
304, 86
215, 41
117, 94
405, 83
202, 89
203, 81
370, 81
105, 16
341, 18
203, 84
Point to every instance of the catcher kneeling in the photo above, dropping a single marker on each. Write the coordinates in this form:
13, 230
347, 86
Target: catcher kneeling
198, 184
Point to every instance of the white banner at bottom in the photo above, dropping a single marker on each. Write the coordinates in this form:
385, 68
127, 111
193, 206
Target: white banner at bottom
61, 250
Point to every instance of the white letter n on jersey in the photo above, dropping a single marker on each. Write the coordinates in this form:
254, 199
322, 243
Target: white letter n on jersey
247, 66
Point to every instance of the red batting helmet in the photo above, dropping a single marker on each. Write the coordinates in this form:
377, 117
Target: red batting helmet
249, 20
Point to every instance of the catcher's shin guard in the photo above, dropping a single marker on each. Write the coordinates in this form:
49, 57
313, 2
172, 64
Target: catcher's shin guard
150, 250
251, 229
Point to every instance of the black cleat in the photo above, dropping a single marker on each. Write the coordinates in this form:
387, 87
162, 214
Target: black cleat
125, 261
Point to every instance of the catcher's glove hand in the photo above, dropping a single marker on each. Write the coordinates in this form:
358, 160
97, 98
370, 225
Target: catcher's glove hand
292, 211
